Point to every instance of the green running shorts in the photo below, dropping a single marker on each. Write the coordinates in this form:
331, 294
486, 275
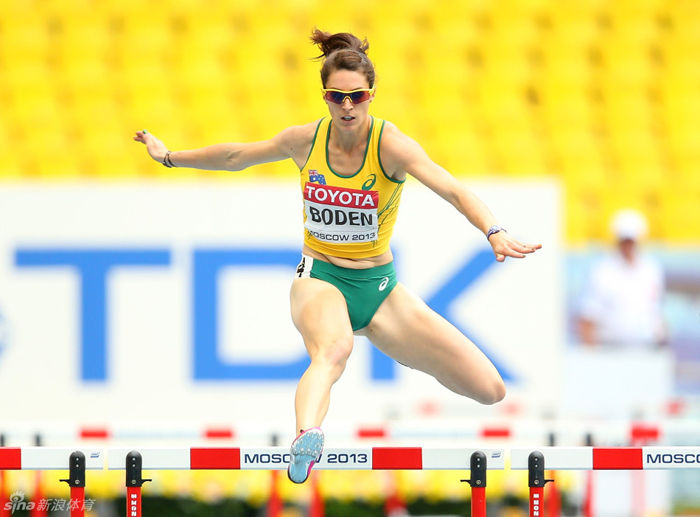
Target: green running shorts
364, 289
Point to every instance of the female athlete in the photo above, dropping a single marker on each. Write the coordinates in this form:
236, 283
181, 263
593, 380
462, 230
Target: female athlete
353, 167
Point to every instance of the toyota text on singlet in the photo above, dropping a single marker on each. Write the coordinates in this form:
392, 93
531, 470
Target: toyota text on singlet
348, 216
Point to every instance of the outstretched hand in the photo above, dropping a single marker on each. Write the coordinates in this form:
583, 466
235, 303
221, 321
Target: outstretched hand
505, 246
155, 147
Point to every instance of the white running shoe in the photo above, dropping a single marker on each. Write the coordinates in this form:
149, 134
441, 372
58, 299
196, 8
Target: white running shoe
306, 451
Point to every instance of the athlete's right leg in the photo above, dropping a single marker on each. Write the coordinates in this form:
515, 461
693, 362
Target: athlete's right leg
320, 314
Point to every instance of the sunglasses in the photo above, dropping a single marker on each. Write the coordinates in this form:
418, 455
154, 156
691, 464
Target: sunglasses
355, 96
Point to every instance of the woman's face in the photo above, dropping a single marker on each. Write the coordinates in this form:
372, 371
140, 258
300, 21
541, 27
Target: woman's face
348, 116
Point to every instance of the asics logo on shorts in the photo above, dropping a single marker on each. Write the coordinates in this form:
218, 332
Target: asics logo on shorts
385, 281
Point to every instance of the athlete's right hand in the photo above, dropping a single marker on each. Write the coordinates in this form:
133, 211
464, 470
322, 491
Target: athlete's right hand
155, 147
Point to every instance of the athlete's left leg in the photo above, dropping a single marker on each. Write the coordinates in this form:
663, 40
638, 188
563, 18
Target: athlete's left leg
405, 328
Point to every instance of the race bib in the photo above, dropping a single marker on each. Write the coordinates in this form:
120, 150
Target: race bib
336, 214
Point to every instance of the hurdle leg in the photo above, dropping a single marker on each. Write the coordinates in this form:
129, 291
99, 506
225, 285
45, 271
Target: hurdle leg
478, 484
133, 501
76, 481
553, 498
77, 501
3, 486
38, 511
536, 483
275, 505
316, 507
478, 501
536, 502
3, 497
134, 482
587, 503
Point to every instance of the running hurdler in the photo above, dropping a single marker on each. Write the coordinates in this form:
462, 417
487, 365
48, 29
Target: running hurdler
353, 167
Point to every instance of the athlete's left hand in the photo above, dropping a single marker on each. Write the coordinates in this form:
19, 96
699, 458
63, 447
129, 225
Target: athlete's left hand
506, 246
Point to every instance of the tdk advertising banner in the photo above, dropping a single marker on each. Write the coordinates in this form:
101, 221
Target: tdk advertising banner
171, 302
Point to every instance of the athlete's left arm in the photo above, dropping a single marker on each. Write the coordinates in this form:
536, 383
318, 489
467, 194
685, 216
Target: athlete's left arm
401, 155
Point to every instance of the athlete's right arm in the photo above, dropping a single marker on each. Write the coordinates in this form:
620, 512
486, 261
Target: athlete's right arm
290, 143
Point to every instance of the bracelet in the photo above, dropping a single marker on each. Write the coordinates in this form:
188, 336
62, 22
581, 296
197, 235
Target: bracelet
494, 229
166, 160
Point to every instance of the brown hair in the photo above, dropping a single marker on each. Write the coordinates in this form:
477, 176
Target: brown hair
343, 51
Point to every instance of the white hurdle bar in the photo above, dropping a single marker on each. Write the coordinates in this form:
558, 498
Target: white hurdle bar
543, 459
277, 458
610, 458
135, 460
355, 458
48, 458
75, 461
536, 460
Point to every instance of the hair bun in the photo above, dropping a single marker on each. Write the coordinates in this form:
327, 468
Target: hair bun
343, 51
329, 43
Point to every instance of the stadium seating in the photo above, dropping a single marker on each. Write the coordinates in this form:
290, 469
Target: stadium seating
599, 95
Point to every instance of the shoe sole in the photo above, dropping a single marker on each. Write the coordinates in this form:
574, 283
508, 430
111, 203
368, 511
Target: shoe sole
306, 451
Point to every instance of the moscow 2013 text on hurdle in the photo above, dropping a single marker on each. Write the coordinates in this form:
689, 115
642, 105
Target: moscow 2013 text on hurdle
535, 460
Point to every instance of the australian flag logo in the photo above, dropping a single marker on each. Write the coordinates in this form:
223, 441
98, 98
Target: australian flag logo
315, 177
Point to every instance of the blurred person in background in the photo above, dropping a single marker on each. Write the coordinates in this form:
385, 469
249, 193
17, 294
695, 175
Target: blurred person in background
621, 304
352, 168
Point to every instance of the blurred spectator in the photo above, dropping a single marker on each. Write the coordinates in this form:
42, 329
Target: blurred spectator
621, 304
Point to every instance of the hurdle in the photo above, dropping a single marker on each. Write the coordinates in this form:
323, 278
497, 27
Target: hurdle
535, 460
76, 461
277, 458
135, 460
595, 458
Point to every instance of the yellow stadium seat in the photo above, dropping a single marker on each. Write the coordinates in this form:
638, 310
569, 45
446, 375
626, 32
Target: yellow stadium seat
10, 165
37, 115
141, 38
579, 156
25, 34
585, 217
574, 21
125, 7
680, 221
634, 21
680, 104
627, 63
679, 113
503, 88
683, 16
638, 156
564, 65
626, 106
453, 25
458, 148
511, 28
685, 157
60, 164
